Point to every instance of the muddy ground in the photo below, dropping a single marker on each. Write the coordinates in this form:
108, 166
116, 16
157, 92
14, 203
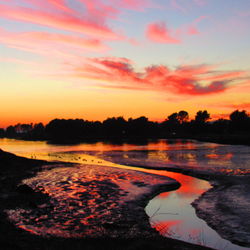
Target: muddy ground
226, 208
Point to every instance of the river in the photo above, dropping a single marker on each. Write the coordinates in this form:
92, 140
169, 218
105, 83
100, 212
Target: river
170, 213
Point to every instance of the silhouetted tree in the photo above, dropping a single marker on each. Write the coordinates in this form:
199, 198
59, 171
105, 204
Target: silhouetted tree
138, 129
23, 128
183, 116
220, 126
240, 120
138, 126
239, 116
115, 126
173, 118
65, 130
202, 116
11, 132
38, 131
2, 132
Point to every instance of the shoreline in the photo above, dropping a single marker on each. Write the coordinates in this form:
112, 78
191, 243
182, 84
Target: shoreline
227, 139
225, 208
25, 240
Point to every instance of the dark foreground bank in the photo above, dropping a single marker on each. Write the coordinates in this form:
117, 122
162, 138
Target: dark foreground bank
13, 195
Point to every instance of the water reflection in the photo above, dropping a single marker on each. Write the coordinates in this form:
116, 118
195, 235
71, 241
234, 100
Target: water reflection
18, 146
233, 159
172, 214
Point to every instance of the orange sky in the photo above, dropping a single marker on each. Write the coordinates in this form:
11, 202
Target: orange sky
97, 59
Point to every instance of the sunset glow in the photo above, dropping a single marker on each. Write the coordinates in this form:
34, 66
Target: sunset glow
102, 58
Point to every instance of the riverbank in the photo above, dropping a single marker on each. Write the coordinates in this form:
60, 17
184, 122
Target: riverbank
13, 195
229, 139
226, 208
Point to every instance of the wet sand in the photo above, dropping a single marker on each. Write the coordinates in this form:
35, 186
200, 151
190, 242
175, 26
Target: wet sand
126, 221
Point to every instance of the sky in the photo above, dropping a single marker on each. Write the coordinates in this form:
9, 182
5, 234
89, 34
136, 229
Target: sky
103, 58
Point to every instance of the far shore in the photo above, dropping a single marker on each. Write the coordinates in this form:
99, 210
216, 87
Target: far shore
230, 139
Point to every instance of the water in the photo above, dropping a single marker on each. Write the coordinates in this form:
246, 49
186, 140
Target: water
232, 159
170, 212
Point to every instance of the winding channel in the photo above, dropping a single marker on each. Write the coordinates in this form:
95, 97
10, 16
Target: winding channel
172, 214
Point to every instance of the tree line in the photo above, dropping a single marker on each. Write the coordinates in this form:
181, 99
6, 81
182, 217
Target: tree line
176, 125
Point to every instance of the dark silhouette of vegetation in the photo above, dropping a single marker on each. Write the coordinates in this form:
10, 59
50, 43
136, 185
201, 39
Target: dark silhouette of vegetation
2, 132
239, 121
177, 125
202, 117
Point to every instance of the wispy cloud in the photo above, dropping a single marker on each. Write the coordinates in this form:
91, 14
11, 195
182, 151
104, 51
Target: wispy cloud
39, 41
192, 80
158, 32
58, 20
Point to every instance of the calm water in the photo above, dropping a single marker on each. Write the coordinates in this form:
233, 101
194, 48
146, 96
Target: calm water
170, 213
233, 159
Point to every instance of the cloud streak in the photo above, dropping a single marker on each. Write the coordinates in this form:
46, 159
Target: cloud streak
89, 17
193, 80
44, 40
58, 20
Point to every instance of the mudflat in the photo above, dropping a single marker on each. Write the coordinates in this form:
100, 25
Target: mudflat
120, 222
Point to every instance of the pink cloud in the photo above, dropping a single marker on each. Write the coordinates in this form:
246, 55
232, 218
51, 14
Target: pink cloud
190, 29
101, 10
60, 4
59, 21
158, 32
38, 41
136, 4
185, 80
16, 61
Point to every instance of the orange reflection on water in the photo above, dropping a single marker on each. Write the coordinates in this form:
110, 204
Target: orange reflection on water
18, 146
189, 185
164, 227
227, 156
